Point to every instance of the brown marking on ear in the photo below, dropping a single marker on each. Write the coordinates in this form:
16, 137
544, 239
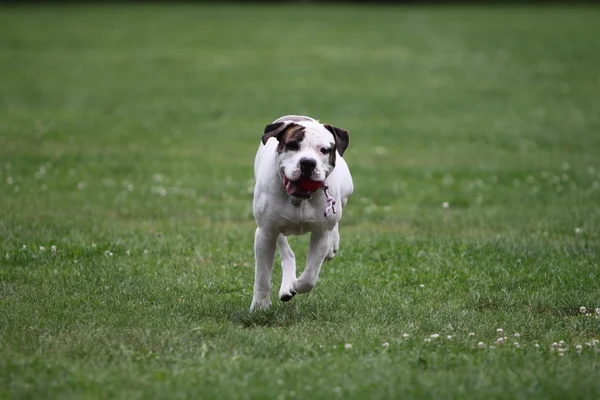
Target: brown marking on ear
292, 133
342, 138
332, 155
284, 133
272, 130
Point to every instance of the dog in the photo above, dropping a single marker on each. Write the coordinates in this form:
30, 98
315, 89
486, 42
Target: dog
302, 184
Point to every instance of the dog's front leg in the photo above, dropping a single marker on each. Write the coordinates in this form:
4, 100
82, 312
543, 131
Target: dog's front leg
320, 242
264, 253
288, 269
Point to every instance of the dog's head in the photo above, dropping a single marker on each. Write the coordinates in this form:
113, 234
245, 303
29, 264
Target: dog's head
306, 152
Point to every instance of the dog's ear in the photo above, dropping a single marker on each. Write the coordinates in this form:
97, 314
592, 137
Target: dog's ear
273, 130
342, 138
276, 130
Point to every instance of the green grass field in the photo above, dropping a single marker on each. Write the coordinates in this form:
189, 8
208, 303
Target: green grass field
127, 139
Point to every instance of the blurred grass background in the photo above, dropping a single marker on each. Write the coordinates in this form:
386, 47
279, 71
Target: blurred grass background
127, 137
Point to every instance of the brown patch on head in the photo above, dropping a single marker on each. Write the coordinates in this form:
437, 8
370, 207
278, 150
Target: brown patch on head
289, 135
291, 138
342, 138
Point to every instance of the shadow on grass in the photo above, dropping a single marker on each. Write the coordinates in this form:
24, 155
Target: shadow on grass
277, 316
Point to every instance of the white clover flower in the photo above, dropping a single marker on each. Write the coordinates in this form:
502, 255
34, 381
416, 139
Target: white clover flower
517, 335
128, 252
157, 178
471, 333
385, 345
449, 337
500, 340
42, 248
53, 248
582, 310
561, 343
516, 344
145, 251
93, 245
499, 331
379, 150
481, 345
347, 346
578, 231
405, 335
446, 205
579, 347
427, 339
588, 344
597, 311
421, 285
537, 345
434, 336
554, 345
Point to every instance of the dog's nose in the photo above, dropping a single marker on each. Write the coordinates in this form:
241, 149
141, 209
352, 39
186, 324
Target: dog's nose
307, 165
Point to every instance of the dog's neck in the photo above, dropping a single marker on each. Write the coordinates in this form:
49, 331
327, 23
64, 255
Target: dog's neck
329, 201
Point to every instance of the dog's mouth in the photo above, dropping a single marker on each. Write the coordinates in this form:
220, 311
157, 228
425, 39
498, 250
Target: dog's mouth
302, 188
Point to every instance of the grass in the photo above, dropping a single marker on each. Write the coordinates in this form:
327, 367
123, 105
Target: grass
127, 137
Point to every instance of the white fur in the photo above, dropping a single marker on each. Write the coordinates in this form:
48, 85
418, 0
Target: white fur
277, 217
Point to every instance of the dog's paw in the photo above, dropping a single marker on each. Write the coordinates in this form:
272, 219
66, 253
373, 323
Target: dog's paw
332, 252
303, 286
260, 304
287, 295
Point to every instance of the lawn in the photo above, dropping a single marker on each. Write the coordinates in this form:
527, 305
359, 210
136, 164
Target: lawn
127, 139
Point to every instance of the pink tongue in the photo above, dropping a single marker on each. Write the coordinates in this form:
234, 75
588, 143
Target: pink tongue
290, 187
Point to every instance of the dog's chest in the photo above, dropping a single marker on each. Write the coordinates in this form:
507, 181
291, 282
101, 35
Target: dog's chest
304, 217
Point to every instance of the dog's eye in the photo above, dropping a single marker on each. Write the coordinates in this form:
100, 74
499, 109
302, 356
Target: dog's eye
292, 146
325, 150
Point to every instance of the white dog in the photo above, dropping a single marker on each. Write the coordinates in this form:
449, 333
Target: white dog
302, 184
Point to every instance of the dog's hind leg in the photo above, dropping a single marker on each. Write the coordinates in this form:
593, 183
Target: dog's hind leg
288, 268
335, 244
